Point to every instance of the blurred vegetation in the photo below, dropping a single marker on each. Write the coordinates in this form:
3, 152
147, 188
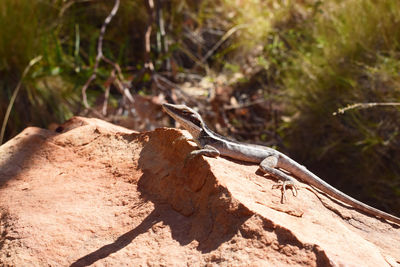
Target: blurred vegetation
29, 29
304, 58
351, 56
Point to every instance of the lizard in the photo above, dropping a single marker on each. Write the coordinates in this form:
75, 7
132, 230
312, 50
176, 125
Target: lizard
270, 161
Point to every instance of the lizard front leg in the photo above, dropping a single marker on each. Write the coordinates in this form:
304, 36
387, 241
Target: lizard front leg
207, 150
268, 165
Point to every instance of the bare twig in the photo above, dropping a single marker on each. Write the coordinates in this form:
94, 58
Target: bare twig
99, 52
161, 34
157, 78
105, 103
148, 64
222, 40
118, 80
193, 57
116, 67
245, 105
14, 95
364, 105
107, 92
68, 4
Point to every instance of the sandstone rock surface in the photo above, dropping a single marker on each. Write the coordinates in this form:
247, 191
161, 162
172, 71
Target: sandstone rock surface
98, 194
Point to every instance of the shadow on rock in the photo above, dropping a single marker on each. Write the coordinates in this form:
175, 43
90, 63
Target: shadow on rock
186, 197
190, 188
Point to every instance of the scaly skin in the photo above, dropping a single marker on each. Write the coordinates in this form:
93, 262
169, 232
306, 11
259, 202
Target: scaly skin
270, 160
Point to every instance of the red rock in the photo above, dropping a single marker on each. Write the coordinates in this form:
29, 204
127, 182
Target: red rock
96, 193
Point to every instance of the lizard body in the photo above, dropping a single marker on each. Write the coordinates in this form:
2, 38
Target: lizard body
270, 160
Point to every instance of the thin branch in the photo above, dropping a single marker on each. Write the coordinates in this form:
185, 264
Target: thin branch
116, 67
363, 106
173, 85
187, 52
107, 92
147, 42
69, 4
14, 95
99, 52
222, 40
161, 35
245, 105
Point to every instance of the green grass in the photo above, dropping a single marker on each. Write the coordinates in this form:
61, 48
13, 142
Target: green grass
317, 57
28, 30
66, 38
354, 57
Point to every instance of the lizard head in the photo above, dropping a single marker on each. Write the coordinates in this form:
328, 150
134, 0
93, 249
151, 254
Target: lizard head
187, 117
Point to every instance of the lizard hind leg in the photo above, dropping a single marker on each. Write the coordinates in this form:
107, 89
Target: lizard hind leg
268, 165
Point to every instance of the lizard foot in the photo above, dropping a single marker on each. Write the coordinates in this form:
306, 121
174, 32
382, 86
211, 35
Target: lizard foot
189, 157
283, 185
207, 151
